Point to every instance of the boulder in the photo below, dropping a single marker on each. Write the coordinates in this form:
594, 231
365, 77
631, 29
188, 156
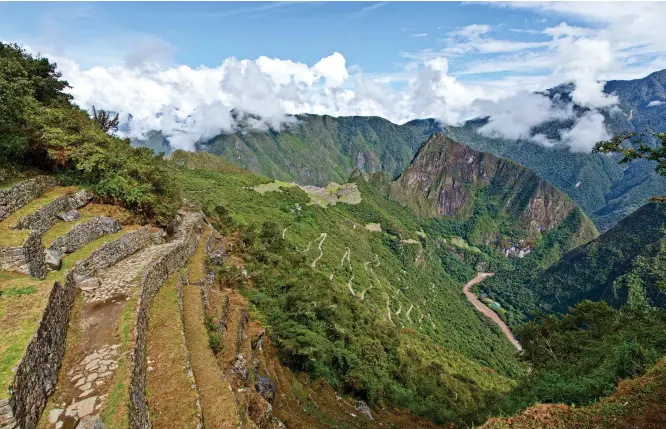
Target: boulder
240, 367
266, 388
218, 257
53, 259
364, 408
69, 216
158, 237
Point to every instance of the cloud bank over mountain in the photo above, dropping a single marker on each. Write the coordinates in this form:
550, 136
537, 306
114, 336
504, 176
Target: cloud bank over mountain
190, 104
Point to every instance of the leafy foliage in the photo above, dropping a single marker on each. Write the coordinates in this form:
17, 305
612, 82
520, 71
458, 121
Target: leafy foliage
40, 128
579, 357
638, 149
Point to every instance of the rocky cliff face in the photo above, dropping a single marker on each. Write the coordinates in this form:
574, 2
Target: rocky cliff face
505, 204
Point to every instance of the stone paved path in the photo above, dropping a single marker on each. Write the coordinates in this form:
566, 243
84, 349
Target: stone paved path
91, 379
119, 279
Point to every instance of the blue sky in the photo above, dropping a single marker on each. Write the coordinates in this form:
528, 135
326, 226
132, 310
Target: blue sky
180, 67
372, 35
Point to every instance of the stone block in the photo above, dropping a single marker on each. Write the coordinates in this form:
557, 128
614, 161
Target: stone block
53, 259
69, 216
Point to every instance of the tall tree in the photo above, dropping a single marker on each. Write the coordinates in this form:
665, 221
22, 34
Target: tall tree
105, 120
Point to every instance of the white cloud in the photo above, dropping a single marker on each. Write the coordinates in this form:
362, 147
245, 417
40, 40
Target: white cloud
189, 105
514, 117
474, 38
588, 130
655, 103
581, 61
420, 35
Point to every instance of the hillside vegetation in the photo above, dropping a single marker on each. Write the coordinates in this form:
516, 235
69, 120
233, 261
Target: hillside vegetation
378, 316
41, 129
625, 265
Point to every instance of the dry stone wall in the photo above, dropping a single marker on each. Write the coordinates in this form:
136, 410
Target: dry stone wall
21, 194
44, 218
37, 373
27, 258
84, 233
187, 238
112, 252
190, 373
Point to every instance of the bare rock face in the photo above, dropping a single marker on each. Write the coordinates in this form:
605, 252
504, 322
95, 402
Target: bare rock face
447, 178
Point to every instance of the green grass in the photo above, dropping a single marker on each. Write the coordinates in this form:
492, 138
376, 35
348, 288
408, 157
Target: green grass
11, 237
6, 184
62, 228
14, 291
460, 242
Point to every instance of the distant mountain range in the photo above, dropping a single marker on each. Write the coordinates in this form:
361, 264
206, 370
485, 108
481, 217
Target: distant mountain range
319, 149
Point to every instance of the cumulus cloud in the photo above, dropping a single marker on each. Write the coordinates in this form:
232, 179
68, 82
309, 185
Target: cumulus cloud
655, 103
588, 130
581, 60
189, 105
514, 117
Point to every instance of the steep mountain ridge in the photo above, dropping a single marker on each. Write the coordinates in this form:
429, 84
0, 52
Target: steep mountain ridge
625, 265
509, 205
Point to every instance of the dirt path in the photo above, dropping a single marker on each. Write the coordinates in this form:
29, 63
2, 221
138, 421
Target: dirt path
487, 311
321, 239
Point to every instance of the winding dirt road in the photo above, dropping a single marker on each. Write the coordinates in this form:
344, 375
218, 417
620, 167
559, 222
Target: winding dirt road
487, 311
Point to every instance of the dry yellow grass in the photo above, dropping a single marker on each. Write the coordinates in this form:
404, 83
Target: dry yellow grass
171, 399
217, 399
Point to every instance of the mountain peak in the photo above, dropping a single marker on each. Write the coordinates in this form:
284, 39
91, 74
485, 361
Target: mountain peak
497, 197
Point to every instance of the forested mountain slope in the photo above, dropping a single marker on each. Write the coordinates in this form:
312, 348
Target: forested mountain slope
625, 265
320, 149
505, 205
